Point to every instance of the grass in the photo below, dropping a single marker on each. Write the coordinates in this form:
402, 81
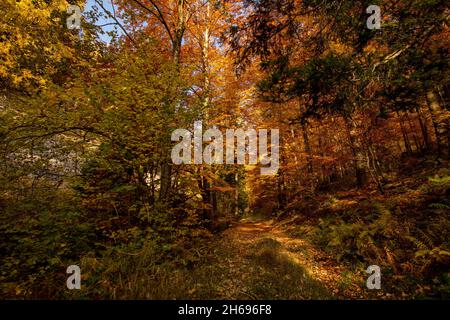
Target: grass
263, 271
280, 277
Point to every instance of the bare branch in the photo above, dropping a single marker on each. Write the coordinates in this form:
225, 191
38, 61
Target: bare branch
158, 16
117, 21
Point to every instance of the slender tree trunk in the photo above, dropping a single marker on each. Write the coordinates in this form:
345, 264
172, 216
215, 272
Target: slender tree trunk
405, 135
413, 132
357, 157
374, 168
424, 129
177, 41
281, 184
210, 195
236, 194
307, 149
323, 167
435, 108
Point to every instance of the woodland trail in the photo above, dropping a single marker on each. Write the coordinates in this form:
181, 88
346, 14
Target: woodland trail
259, 260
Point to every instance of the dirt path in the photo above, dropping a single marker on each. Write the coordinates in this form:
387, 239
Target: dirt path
258, 260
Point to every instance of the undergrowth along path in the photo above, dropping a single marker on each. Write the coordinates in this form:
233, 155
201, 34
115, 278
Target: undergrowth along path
258, 259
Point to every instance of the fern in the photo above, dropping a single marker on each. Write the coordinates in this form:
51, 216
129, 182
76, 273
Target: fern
419, 244
441, 206
427, 239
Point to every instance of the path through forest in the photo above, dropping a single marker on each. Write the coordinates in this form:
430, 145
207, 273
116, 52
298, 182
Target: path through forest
257, 259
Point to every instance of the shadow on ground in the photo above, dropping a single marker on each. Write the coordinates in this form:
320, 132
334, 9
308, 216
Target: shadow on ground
278, 276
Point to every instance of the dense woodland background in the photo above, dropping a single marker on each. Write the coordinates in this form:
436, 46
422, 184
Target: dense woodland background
85, 171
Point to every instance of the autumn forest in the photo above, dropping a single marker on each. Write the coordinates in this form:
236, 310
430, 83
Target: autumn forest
224, 149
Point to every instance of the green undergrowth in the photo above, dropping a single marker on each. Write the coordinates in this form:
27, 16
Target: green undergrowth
407, 234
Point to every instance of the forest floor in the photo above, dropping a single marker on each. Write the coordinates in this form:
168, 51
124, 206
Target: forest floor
257, 259
284, 257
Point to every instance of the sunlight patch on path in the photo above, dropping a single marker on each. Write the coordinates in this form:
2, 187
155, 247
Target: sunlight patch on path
262, 262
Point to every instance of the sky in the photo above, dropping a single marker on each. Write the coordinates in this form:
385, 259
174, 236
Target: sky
102, 20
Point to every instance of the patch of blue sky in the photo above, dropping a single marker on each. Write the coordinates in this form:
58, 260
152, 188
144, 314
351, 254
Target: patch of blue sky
105, 21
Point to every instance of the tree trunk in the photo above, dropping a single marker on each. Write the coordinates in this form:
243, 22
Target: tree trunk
360, 173
405, 135
413, 131
434, 108
424, 129
307, 148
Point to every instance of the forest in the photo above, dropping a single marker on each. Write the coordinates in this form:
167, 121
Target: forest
312, 145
